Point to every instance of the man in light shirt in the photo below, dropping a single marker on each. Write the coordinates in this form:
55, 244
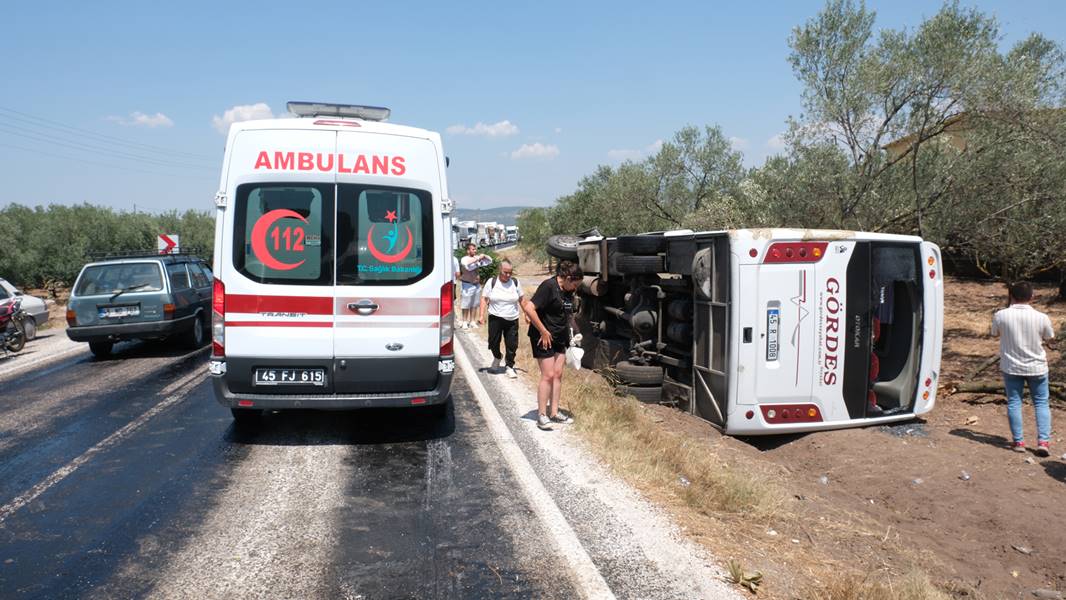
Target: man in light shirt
1022, 331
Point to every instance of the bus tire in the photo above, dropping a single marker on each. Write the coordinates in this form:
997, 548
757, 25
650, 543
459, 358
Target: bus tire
641, 264
563, 246
647, 395
641, 244
638, 374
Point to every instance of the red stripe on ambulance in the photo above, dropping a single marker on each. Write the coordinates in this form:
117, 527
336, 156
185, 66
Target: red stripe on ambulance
255, 304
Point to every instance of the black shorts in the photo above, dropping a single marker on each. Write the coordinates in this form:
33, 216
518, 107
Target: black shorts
559, 344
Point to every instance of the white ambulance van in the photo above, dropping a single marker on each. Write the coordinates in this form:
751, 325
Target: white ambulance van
333, 283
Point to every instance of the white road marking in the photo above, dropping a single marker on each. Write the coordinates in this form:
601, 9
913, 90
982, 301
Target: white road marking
586, 575
177, 392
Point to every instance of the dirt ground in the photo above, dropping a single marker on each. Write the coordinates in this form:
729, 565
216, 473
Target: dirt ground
941, 498
941, 495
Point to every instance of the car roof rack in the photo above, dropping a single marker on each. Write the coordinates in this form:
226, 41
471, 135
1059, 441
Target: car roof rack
184, 253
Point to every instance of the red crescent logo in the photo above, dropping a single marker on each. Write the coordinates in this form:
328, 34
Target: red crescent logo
259, 239
389, 258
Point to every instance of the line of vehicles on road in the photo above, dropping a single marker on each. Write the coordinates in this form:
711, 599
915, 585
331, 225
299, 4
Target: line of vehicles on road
489, 233
331, 288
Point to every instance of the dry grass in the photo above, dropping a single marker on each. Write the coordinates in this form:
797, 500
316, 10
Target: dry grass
851, 586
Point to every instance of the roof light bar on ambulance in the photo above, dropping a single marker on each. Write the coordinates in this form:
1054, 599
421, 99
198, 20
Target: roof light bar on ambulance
325, 109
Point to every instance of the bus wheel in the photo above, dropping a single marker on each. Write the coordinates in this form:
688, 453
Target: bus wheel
639, 374
647, 395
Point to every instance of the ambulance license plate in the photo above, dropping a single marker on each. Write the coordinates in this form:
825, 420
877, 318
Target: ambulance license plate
773, 326
283, 376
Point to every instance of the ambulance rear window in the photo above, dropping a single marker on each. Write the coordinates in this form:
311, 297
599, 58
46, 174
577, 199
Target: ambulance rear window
283, 233
384, 235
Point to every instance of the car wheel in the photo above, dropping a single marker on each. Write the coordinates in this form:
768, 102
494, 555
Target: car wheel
101, 349
641, 244
647, 395
641, 264
194, 338
639, 374
563, 246
246, 417
29, 329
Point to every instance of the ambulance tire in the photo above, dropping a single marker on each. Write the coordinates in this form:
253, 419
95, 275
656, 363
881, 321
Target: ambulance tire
647, 395
246, 417
641, 264
438, 411
638, 374
563, 246
641, 244
101, 350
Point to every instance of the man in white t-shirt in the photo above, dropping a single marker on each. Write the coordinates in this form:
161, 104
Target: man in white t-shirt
1022, 332
501, 300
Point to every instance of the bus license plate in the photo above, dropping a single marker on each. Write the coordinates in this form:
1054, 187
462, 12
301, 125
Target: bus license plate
773, 322
283, 376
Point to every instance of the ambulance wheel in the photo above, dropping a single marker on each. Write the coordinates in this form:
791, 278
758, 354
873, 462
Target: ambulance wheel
638, 374
647, 395
101, 350
641, 244
245, 417
641, 264
563, 246
438, 411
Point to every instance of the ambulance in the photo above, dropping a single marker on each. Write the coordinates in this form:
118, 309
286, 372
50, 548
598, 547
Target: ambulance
333, 283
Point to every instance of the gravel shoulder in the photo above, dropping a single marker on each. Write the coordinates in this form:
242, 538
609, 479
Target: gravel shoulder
639, 551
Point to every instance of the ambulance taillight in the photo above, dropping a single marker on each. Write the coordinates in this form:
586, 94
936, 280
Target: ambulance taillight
447, 319
218, 319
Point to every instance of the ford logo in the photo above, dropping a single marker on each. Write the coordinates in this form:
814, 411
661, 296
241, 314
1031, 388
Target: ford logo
394, 346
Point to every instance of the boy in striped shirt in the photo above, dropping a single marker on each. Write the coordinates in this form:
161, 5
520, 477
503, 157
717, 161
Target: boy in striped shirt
1022, 331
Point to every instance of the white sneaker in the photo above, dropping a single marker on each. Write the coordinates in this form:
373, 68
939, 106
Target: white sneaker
464, 324
511, 373
563, 418
544, 423
496, 364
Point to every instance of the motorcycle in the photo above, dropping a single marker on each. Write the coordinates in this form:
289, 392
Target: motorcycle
12, 326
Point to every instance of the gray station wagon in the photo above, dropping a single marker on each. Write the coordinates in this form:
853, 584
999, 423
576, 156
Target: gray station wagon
147, 297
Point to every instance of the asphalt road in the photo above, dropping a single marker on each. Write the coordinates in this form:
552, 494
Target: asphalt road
124, 478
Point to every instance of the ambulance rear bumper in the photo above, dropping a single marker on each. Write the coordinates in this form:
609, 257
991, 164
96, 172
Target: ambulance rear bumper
279, 398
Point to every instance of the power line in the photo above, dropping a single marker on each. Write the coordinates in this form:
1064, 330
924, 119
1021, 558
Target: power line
100, 164
56, 125
76, 145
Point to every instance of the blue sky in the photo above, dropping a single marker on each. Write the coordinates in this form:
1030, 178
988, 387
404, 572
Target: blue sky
559, 87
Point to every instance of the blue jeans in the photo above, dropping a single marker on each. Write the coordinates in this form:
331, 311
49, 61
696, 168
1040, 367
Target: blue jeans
1015, 385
